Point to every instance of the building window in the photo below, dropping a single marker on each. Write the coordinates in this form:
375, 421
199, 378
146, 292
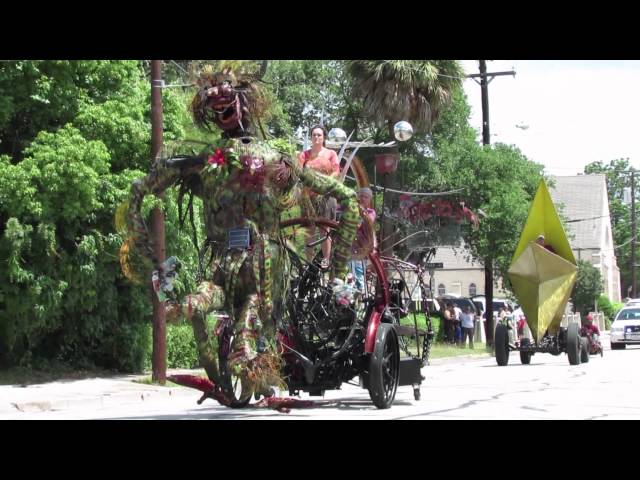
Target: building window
441, 289
472, 290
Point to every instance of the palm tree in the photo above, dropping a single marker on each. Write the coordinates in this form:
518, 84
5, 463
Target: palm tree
394, 90
412, 90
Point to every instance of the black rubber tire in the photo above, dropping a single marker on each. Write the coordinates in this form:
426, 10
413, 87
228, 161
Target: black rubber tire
502, 344
584, 350
238, 394
617, 346
384, 367
573, 344
525, 357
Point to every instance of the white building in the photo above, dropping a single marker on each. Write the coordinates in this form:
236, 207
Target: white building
460, 275
583, 203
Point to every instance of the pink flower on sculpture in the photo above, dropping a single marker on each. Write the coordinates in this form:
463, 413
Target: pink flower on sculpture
217, 158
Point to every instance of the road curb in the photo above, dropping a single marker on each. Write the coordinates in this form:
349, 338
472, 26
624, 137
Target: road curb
458, 359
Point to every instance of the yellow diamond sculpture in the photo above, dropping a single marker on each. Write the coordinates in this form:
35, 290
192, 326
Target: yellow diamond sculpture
542, 279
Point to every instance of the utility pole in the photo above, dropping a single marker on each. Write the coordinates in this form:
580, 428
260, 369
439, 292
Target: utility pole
633, 234
484, 89
159, 355
486, 140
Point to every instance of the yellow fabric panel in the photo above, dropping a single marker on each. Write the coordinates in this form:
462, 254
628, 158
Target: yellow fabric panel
527, 292
542, 282
554, 295
543, 220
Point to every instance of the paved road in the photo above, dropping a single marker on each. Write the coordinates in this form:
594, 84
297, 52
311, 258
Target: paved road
469, 388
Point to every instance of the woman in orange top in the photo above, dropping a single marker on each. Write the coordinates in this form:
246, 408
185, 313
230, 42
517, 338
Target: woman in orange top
325, 161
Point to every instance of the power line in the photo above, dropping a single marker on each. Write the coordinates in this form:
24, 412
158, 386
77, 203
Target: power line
585, 219
452, 76
161, 84
177, 65
623, 244
417, 194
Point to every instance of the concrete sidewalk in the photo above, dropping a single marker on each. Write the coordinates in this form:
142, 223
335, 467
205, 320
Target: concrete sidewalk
91, 394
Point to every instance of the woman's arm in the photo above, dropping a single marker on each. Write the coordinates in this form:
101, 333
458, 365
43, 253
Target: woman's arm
346, 232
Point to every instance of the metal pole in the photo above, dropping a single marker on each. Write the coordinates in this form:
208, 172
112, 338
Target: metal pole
159, 355
484, 88
633, 235
488, 261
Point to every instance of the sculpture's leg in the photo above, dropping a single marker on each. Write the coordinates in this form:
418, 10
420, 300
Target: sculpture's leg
254, 357
247, 330
195, 308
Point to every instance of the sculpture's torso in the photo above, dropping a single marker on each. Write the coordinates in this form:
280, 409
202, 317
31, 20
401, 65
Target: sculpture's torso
243, 197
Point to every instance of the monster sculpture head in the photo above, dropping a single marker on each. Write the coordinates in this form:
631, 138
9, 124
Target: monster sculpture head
229, 99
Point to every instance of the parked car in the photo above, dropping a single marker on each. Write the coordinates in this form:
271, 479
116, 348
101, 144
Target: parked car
434, 306
632, 302
625, 329
480, 302
459, 302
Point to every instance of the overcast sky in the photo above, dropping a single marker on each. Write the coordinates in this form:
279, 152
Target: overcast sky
570, 112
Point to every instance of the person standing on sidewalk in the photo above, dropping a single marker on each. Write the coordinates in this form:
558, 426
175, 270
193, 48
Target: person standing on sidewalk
449, 316
457, 330
467, 321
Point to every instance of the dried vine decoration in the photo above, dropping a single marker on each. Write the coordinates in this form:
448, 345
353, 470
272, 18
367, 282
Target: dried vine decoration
229, 98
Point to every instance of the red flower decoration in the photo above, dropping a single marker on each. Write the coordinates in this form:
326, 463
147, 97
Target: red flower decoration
217, 158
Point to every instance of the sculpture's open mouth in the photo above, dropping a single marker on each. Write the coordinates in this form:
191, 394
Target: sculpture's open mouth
226, 110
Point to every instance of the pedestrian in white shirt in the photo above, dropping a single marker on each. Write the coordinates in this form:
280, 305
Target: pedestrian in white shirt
467, 321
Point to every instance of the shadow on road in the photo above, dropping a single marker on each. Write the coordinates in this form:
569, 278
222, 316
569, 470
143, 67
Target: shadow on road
252, 412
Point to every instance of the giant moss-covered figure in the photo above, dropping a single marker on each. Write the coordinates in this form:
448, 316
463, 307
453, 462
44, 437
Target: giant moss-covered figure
244, 185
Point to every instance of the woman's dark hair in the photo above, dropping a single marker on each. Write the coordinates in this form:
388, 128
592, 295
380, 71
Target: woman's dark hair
324, 133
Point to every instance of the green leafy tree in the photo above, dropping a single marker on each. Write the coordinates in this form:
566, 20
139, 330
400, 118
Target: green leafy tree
43, 95
505, 182
64, 171
306, 92
412, 90
618, 178
588, 287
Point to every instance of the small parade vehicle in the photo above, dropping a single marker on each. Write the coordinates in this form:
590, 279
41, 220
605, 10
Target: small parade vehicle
542, 274
566, 340
594, 345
